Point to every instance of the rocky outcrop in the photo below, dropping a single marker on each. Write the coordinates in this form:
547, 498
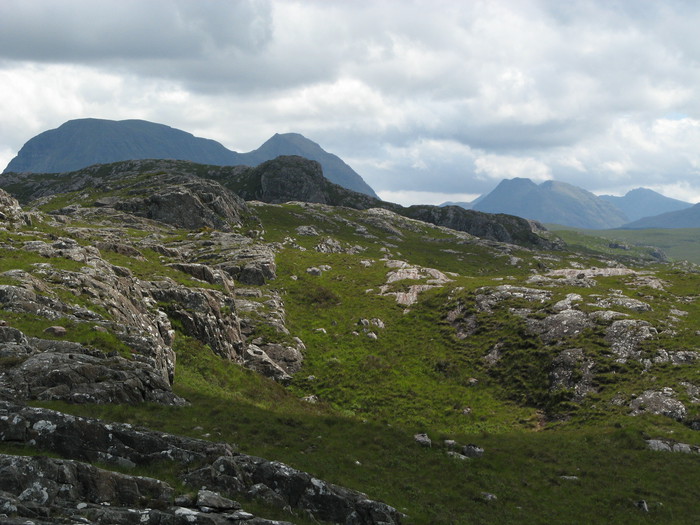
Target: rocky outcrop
206, 315
496, 227
227, 472
11, 213
402, 271
659, 402
251, 265
572, 370
327, 502
186, 202
66, 371
625, 337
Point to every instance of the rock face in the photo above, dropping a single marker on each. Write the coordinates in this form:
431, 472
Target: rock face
187, 202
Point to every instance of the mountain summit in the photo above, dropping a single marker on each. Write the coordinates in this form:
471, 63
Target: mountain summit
80, 143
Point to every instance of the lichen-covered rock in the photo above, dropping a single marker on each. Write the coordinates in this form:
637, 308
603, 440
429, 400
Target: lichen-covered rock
46, 481
488, 298
224, 471
92, 440
324, 501
625, 336
252, 265
185, 202
660, 402
11, 213
556, 327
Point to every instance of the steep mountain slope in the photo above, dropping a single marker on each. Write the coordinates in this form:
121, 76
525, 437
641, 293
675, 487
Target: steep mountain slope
643, 202
459, 380
551, 201
685, 218
80, 143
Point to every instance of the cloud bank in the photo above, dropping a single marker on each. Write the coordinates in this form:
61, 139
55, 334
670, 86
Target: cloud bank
421, 98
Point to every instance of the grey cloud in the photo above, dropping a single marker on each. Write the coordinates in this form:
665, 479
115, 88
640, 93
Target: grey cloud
84, 31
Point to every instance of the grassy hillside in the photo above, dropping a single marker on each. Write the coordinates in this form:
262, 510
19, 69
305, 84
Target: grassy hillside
548, 458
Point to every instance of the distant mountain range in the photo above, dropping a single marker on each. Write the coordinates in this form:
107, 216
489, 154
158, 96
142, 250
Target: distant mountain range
79, 143
685, 218
568, 205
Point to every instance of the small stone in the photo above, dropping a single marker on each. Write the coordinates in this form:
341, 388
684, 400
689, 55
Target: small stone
472, 451
642, 505
313, 271
423, 440
58, 331
488, 496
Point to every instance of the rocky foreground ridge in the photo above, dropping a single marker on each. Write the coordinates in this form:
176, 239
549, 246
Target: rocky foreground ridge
89, 306
108, 275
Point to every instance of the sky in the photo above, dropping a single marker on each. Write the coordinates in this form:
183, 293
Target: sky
428, 101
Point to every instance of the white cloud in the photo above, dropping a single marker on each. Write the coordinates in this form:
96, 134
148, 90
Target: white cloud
507, 167
409, 198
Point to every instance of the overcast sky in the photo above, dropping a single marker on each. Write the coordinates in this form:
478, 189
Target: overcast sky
427, 100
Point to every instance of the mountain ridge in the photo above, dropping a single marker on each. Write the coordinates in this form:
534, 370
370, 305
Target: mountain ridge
80, 143
643, 202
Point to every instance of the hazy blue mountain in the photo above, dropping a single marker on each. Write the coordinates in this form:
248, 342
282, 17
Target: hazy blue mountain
551, 201
83, 142
643, 202
686, 218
